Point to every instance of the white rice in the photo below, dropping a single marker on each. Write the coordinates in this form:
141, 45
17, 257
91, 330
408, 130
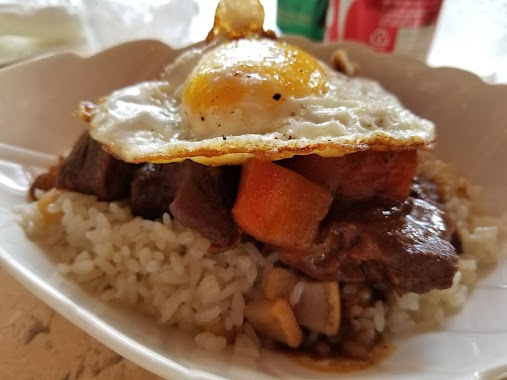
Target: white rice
163, 268
297, 292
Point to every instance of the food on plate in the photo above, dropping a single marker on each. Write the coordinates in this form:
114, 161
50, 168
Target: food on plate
254, 195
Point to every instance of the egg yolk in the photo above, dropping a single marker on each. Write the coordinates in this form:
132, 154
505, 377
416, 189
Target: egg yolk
245, 86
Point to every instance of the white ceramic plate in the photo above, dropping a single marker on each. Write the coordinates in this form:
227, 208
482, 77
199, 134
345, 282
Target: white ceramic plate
37, 121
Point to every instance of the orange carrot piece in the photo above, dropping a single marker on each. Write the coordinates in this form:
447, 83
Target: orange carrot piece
278, 206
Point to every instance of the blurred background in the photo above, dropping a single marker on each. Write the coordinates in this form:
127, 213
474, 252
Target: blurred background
468, 34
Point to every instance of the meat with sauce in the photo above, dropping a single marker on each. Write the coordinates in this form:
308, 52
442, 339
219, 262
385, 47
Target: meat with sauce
152, 189
198, 196
404, 246
371, 233
193, 194
385, 230
91, 170
360, 176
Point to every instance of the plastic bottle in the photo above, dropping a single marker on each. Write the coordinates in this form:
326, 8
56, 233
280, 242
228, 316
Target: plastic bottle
304, 17
401, 26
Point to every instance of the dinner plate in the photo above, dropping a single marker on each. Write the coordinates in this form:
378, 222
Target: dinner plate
38, 122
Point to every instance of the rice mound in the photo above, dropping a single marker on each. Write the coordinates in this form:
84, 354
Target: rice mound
163, 268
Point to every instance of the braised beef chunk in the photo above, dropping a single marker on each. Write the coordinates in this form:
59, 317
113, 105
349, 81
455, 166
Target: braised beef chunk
361, 176
199, 204
423, 188
194, 194
89, 169
408, 248
153, 188
229, 183
402, 246
328, 259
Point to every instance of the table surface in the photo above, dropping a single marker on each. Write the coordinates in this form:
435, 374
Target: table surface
37, 343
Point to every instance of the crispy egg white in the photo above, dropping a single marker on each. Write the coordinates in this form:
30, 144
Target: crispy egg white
252, 98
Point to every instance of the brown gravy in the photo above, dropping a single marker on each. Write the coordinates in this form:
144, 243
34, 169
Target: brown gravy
342, 364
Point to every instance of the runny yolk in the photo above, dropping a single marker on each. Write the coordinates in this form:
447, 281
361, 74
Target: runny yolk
250, 76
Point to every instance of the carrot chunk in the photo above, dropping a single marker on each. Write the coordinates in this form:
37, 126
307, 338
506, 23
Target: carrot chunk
278, 206
278, 283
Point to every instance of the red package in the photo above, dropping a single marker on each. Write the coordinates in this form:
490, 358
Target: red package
404, 26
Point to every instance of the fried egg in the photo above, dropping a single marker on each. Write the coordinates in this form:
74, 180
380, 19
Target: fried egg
253, 97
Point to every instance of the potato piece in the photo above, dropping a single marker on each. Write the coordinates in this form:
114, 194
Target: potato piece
319, 307
279, 283
43, 206
274, 319
218, 328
